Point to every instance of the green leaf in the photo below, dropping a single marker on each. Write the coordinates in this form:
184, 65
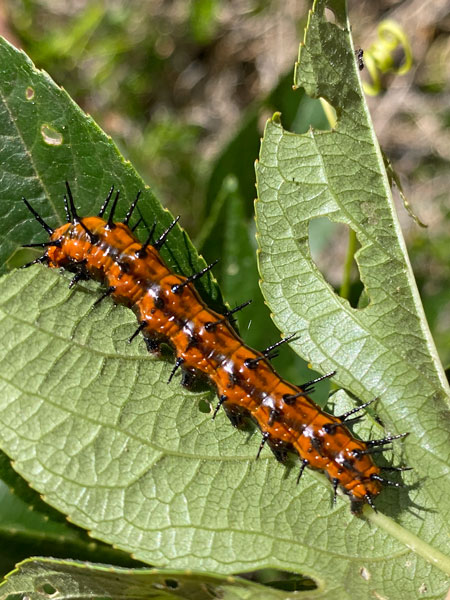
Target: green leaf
89, 420
92, 425
43, 578
29, 526
47, 139
384, 349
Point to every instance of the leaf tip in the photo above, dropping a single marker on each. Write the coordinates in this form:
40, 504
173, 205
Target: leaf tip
276, 118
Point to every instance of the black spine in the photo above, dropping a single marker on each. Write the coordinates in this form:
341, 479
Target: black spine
222, 399
178, 287
141, 327
38, 217
162, 238
111, 223
176, 366
309, 385
72, 209
142, 250
265, 437
131, 209
304, 464
104, 206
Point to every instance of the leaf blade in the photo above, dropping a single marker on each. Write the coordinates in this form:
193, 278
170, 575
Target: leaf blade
126, 420
384, 349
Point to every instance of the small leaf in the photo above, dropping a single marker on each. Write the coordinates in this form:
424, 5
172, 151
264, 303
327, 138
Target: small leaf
47, 578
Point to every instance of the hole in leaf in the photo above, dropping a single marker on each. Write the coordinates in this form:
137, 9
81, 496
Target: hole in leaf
16, 597
19, 257
332, 247
365, 574
329, 15
50, 135
171, 583
29, 93
48, 589
204, 406
281, 580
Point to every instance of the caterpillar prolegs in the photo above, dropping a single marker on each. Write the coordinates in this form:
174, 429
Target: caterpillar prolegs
169, 309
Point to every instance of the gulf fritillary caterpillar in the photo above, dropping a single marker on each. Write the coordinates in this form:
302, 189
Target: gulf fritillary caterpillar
169, 309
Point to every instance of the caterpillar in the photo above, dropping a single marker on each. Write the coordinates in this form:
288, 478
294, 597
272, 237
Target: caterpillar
169, 310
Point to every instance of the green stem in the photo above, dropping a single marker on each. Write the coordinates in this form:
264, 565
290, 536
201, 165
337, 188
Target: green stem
411, 541
344, 292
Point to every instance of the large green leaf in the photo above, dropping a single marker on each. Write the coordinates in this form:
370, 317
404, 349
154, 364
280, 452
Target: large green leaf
384, 349
89, 420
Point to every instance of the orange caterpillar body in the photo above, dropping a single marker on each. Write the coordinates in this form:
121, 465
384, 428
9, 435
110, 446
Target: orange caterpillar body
169, 309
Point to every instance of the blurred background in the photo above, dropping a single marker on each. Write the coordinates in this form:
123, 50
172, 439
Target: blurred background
184, 87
